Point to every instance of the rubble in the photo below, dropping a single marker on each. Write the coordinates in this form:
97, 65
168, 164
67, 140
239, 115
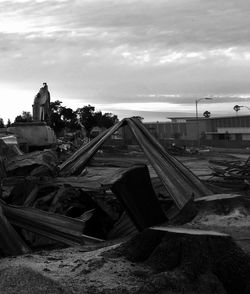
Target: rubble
11, 243
28, 164
55, 226
233, 174
180, 182
89, 201
190, 263
64, 209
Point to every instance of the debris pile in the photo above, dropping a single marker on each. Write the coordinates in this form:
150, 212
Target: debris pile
72, 204
233, 174
87, 201
189, 261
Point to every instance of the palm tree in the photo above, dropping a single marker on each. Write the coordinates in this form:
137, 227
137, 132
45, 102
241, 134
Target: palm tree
237, 108
207, 114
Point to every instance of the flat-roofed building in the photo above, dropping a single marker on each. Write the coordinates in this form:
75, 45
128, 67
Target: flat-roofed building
226, 131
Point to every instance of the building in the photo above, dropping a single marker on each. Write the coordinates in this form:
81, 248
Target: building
226, 131
229, 131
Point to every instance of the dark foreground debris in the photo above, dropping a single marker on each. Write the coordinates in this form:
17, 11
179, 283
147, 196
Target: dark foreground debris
233, 174
190, 262
11, 243
71, 205
180, 182
83, 202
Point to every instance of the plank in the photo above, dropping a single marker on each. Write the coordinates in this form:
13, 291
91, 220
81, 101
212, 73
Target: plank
183, 230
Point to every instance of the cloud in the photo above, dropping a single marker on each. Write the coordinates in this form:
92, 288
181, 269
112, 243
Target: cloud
110, 51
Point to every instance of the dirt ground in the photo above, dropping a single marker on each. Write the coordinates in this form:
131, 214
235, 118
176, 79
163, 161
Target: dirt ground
78, 270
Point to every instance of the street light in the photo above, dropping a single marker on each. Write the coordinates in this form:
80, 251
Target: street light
197, 118
245, 107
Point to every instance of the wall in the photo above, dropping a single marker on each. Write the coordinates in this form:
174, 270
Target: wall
191, 126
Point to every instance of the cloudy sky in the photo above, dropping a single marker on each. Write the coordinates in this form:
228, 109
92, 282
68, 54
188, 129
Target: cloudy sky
129, 57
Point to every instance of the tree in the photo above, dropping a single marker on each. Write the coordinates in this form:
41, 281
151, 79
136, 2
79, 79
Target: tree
138, 117
24, 117
236, 108
8, 123
55, 106
105, 120
56, 121
86, 116
1, 123
89, 118
62, 117
69, 118
207, 114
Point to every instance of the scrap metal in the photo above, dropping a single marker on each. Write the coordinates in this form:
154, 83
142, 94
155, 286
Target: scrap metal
179, 181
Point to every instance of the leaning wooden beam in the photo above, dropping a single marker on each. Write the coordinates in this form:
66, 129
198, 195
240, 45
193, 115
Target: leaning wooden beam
54, 226
11, 243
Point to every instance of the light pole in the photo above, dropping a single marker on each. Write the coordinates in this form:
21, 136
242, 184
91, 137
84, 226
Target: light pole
245, 107
197, 118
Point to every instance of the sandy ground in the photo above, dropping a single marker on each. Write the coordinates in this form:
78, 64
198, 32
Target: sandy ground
78, 271
81, 272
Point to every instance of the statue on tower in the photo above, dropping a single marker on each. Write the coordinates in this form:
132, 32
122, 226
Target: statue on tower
41, 106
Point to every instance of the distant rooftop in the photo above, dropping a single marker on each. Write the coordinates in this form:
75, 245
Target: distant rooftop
183, 119
200, 117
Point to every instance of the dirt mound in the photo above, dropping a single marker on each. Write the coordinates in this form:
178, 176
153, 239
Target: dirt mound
177, 283
186, 263
23, 280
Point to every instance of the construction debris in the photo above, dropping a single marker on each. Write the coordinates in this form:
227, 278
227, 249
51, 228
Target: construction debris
55, 226
42, 198
180, 182
136, 193
184, 261
28, 164
11, 243
9, 146
90, 199
233, 174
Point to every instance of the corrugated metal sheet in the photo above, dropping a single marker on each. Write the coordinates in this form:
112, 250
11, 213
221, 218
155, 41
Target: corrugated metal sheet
179, 181
54, 226
11, 243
